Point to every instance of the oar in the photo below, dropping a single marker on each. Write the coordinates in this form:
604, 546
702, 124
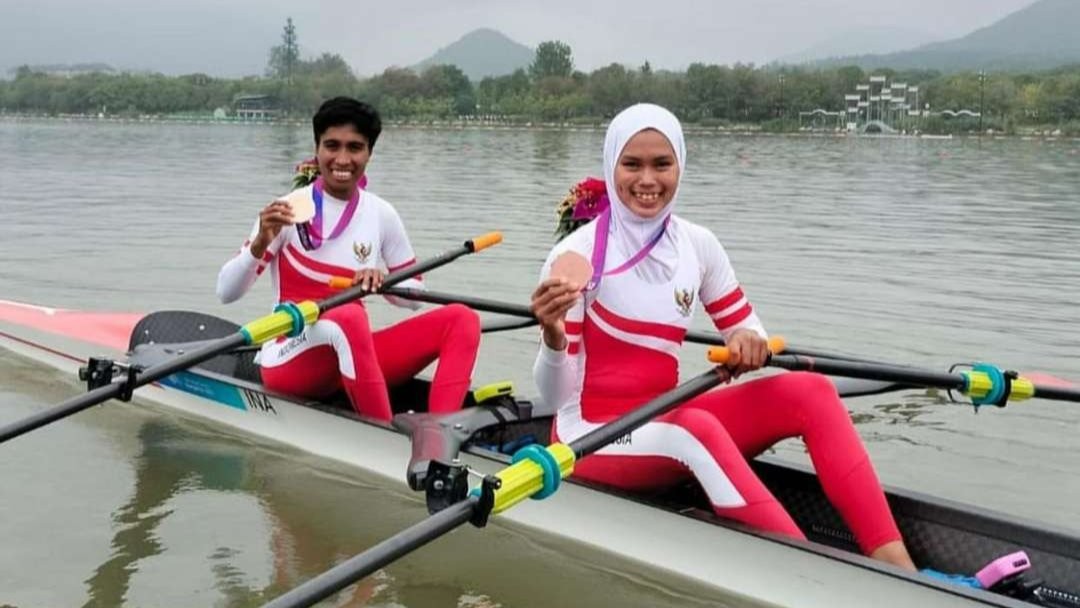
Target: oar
985, 384
519, 310
287, 319
709, 338
901, 376
536, 473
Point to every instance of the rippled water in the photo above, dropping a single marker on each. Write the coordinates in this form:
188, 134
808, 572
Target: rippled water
918, 251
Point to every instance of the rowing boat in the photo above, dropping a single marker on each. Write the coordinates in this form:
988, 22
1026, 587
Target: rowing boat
674, 532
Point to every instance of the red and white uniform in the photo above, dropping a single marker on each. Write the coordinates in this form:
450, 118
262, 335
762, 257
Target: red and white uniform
623, 343
340, 350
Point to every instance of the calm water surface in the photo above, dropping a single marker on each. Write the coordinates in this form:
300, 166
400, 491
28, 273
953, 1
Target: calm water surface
926, 252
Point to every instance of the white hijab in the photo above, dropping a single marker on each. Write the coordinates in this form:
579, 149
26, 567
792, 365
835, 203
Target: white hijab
629, 233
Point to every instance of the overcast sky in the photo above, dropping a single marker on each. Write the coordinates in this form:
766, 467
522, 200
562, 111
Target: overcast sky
232, 37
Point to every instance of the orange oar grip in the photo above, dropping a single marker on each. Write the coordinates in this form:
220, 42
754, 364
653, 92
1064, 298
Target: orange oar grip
721, 355
486, 240
341, 282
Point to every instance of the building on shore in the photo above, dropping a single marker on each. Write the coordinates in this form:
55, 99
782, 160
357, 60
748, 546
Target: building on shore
879, 106
255, 107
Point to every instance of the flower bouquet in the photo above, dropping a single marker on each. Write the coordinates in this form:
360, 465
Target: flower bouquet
586, 200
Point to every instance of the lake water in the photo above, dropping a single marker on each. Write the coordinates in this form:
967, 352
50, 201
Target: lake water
927, 252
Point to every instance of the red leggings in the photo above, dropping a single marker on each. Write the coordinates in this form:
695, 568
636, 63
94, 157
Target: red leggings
713, 437
341, 350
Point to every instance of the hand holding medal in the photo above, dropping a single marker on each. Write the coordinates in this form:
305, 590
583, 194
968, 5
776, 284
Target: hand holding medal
302, 206
272, 218
556, 295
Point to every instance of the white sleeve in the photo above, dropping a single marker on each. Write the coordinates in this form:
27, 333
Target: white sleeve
240, 273
720, 293
556, 372
397, 253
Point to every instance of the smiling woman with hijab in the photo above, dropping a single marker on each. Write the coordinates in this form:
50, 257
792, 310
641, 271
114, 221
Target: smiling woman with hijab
610, 342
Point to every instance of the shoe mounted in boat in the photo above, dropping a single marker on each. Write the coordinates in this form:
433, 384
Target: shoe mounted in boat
1001, 572
957, 579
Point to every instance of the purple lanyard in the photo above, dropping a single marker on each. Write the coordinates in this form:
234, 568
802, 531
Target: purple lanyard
310, 233
600, 250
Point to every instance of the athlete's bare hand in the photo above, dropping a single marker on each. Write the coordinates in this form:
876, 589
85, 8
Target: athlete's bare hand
551, 300
272, 219
749, 351
371, 279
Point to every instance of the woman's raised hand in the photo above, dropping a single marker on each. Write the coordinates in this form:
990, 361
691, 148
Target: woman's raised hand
272, 219
552, 299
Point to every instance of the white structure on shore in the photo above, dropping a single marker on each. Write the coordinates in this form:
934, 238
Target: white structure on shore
878, 106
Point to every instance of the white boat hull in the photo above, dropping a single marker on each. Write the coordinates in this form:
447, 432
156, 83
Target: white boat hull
758, 567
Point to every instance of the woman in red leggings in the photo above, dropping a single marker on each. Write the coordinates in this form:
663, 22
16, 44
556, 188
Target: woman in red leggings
612, 343
354, 233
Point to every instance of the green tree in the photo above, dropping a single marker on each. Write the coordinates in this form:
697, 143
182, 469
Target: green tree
284, 59
327, 64
709, 92
553, 58
449, 82
285, 56
611, 89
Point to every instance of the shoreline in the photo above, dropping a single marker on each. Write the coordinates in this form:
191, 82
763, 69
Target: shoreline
1044, 133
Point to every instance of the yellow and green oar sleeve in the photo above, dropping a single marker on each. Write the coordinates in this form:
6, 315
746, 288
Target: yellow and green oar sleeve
288, 319
986, 385
535, 473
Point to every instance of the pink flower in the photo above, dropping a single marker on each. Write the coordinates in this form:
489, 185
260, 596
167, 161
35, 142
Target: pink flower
592, 185
592, 199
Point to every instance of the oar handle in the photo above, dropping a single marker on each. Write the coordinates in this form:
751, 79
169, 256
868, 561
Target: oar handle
484, 241
722, 354
341, 282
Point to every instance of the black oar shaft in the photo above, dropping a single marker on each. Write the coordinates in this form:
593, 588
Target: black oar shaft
437, 297
697, 337
868, 371
354, 293
110, 391
379, 556
1058, 393
598, 438
67, 408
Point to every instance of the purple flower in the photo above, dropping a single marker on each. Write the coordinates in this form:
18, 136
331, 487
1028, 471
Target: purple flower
588, 207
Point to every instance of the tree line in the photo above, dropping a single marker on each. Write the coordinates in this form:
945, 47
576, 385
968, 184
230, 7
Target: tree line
552, 90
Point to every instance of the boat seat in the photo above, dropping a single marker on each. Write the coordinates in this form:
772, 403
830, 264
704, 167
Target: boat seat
183, 326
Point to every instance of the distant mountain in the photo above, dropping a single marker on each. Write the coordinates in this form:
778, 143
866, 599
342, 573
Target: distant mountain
864, 41
482, 52
1044, 35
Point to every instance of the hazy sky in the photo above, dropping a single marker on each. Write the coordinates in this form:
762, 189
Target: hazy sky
232, 37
